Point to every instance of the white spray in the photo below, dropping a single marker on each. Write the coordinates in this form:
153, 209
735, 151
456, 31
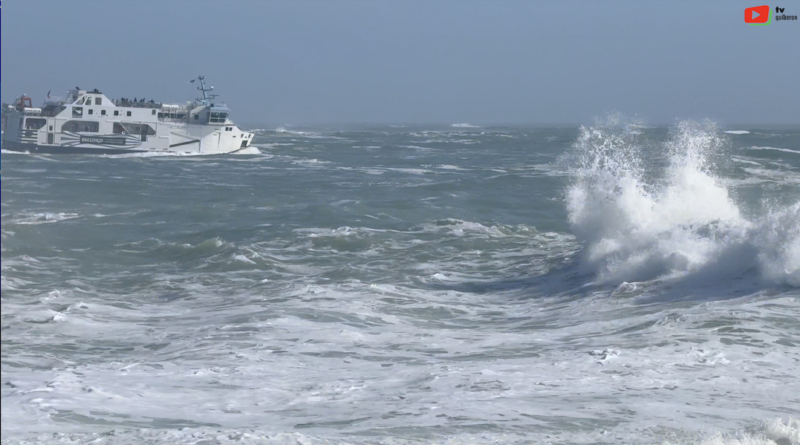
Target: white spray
635, 230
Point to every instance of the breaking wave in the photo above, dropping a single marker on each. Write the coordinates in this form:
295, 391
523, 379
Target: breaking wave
635, 228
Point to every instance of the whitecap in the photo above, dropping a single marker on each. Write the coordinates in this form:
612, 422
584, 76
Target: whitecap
638, 230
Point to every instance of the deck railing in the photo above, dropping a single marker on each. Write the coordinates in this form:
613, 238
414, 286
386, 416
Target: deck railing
136, 104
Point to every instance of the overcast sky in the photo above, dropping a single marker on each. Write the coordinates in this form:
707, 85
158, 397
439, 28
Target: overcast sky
483, 62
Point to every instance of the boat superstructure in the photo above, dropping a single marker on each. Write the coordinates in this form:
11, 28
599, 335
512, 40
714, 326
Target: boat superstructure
89, 122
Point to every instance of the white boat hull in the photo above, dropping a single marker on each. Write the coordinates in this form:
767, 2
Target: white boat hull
89, 122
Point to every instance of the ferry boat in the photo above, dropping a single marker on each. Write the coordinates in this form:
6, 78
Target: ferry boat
88, 122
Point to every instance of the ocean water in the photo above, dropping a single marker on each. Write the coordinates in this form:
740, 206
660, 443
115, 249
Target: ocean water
454, 284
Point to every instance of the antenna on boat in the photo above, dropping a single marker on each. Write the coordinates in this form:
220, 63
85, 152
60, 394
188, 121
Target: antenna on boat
206, 97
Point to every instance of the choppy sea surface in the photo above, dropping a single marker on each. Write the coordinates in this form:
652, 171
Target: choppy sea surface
453, 284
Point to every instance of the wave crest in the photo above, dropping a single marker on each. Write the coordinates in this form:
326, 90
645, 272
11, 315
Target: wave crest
635, 229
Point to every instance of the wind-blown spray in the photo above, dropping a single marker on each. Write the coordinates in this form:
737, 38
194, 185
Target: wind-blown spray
635, 229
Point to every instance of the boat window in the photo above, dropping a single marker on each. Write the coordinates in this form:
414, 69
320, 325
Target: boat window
154, 112
218, 118
35, 123
116, 112
171, 116
129, 113
102, 112
81, 126
126, 128
98, 101
77, 111
91, 111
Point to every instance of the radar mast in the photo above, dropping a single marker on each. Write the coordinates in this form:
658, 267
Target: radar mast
206, 100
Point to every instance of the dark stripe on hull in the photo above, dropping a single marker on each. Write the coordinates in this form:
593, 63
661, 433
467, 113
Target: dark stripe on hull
58, 149
184, 143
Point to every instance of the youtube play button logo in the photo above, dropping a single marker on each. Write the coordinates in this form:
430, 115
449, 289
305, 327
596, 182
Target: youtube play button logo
757, 15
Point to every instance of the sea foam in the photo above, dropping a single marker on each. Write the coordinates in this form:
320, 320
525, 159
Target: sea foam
637, 229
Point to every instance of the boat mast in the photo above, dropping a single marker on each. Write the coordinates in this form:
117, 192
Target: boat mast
206, 97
